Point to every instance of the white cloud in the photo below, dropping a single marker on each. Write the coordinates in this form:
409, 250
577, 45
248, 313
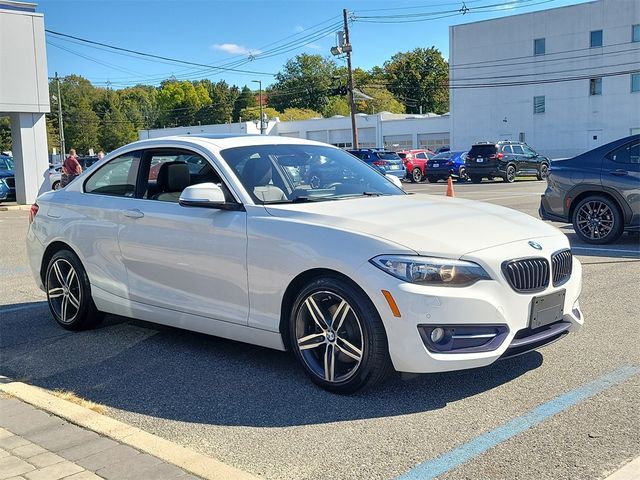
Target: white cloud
506, 6
298, 29
314, 46
234, 49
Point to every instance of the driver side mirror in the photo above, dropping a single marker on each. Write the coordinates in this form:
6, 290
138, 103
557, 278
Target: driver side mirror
206, 195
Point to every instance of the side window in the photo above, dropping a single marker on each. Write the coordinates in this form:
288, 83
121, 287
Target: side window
517, 150
116, 178
171, 171
629, 153
421, 156
528, 151
507, 150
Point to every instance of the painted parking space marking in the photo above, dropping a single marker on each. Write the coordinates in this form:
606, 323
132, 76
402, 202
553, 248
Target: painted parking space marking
604, 250
19, 308
458, 456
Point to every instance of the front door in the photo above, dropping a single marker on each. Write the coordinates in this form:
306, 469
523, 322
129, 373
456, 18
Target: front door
187, 259
621, 172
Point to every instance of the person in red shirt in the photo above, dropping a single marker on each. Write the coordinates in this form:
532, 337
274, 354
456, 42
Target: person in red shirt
70, 168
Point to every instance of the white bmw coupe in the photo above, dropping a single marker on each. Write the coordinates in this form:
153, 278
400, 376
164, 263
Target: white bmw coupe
225, 235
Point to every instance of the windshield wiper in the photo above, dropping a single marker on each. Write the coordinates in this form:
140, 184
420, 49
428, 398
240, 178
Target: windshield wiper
372, 194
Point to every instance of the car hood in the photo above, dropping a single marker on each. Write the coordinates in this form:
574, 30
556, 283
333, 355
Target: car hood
427, 224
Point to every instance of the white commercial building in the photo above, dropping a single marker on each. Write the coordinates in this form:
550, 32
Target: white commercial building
24, 94
392, 131
565, 80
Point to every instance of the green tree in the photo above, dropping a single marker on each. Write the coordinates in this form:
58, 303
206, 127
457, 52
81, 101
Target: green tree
245, 99
5, 134
338, 105
299, 114
382, 101
304, 82
420, 78
253, 113
179, 101
139, 104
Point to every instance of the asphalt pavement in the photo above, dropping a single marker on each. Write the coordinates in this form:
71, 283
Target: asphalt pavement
568, 411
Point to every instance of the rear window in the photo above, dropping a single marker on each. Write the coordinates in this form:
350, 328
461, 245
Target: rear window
442, 156
482, 150
388, 156
402, 155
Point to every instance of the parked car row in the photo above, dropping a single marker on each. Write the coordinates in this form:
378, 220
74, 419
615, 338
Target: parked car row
55, 171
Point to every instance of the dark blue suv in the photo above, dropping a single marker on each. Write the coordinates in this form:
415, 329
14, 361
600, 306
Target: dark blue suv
7, 179
387, 162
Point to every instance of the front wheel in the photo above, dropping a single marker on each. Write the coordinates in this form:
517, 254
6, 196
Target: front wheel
543, 172
510, 174
69, 293
338, 336
416, 175
597, 220
462, 175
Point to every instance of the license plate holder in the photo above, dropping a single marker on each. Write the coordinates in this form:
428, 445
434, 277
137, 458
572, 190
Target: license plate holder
435, 165
547, 309
479, 160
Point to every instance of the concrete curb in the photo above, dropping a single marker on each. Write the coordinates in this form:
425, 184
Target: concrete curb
170, 452
9, 208
630, 471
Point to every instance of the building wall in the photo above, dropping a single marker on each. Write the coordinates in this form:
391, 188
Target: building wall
24, 86
574, 121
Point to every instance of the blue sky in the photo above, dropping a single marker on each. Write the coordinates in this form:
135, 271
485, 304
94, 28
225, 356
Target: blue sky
228, 33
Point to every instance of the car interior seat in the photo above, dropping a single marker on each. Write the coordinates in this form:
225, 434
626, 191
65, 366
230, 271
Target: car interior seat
257, 176
173, 178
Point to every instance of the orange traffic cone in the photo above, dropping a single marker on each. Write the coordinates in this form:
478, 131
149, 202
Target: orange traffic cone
450, 192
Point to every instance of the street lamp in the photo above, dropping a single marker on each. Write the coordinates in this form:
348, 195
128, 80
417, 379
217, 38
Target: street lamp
259, 82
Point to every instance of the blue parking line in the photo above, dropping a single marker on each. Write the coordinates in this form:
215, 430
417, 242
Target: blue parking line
462, 454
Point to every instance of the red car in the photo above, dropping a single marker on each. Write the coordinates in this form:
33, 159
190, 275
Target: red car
415, 162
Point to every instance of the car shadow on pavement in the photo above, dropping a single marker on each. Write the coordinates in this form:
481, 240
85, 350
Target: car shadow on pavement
173, 374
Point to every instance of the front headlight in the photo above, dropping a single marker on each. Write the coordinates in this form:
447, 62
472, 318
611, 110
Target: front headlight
431, 271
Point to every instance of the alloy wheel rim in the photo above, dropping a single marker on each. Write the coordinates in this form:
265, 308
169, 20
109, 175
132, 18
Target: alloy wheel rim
462, 173
595, 220
329, 336
511, 174
63, 290
417, 175
544, 171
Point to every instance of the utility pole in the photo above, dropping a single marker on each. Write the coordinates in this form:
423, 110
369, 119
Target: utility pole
63, 150
259, 82
352, 104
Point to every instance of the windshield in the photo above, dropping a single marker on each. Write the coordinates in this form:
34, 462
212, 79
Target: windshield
6, 163
299, 173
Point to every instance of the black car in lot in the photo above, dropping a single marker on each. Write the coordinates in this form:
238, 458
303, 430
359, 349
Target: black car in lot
504, 159
598, 191
7, 179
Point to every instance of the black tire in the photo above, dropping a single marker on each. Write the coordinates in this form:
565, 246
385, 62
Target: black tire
416, 175
432, 179
475, 178
56, 185
360, 326
69, 292
510, 174
597, 220
543, 172
462, 175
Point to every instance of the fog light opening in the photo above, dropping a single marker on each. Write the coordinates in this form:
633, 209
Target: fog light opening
437, 335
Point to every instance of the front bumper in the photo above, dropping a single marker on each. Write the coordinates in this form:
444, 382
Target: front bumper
491, 302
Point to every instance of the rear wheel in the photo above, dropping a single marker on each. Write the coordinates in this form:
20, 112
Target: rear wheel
543, 172
475, 178
416, 175
432, 179
69, 292
597, 220
462, 175
56, 185
338, 336
510, 174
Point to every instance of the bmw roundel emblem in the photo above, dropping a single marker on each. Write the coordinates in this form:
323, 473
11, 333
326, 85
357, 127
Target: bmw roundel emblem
535, 245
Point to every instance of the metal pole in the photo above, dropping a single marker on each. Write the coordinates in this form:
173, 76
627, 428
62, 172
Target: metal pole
63, 150
259, 82
352, 103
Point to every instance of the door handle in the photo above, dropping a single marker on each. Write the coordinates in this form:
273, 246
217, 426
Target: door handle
619, 173
135, 213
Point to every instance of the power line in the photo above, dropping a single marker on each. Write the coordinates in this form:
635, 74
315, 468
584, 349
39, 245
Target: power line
150, 55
